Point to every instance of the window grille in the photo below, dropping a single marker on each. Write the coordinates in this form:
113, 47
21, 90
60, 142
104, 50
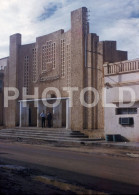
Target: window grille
26, 73
63, 58
34, 65
68, 66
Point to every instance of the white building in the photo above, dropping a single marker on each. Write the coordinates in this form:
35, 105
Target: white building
121, 93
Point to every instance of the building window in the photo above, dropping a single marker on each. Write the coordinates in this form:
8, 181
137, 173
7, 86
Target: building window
34, 65
26, 73
63, 58
126, 111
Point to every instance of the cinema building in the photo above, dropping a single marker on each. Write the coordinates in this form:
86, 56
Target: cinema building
72, 59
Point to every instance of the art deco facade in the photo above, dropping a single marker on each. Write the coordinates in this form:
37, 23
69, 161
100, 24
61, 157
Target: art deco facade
61, 59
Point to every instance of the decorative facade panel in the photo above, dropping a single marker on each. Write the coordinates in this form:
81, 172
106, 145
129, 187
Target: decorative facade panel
68, 66
26, 73
63, 58
48, 55
54, 55
34, 65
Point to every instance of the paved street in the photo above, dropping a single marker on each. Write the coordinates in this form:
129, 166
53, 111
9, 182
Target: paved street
98, 169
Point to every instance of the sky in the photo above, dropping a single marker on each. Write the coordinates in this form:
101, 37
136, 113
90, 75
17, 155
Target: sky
110, 19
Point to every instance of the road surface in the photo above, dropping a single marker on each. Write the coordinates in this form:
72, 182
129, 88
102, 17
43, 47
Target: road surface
101, 171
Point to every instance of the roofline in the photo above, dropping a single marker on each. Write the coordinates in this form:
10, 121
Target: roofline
4, 58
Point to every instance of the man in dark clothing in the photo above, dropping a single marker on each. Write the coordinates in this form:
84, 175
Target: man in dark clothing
49, 119
43, 116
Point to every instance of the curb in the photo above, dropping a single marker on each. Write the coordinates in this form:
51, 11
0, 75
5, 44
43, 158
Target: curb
72, 143
111, 145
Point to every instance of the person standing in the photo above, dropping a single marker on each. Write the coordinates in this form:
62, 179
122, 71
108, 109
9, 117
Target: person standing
49, 119
43, 116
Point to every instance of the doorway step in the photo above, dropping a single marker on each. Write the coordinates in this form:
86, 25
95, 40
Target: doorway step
46, 135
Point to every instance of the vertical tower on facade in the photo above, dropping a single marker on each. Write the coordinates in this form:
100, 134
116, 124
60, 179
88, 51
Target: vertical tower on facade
77, 65
14, 66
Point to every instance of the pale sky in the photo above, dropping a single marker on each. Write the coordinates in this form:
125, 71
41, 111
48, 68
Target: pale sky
110, 19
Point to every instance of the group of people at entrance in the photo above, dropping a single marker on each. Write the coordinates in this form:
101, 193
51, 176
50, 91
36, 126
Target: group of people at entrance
47, 117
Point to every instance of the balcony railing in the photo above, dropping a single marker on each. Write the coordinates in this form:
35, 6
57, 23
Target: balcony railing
121, 67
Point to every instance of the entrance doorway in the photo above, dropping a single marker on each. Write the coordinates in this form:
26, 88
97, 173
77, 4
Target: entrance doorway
30, 115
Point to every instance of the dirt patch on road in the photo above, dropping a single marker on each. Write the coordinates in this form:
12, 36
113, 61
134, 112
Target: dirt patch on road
15, 180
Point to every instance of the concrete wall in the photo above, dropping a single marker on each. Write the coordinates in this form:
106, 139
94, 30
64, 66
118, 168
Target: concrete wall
91, 74
77, 66
13, 112
112, 125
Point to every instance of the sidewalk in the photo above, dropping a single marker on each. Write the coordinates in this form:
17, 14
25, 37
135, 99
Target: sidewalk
61, 138
121, 145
